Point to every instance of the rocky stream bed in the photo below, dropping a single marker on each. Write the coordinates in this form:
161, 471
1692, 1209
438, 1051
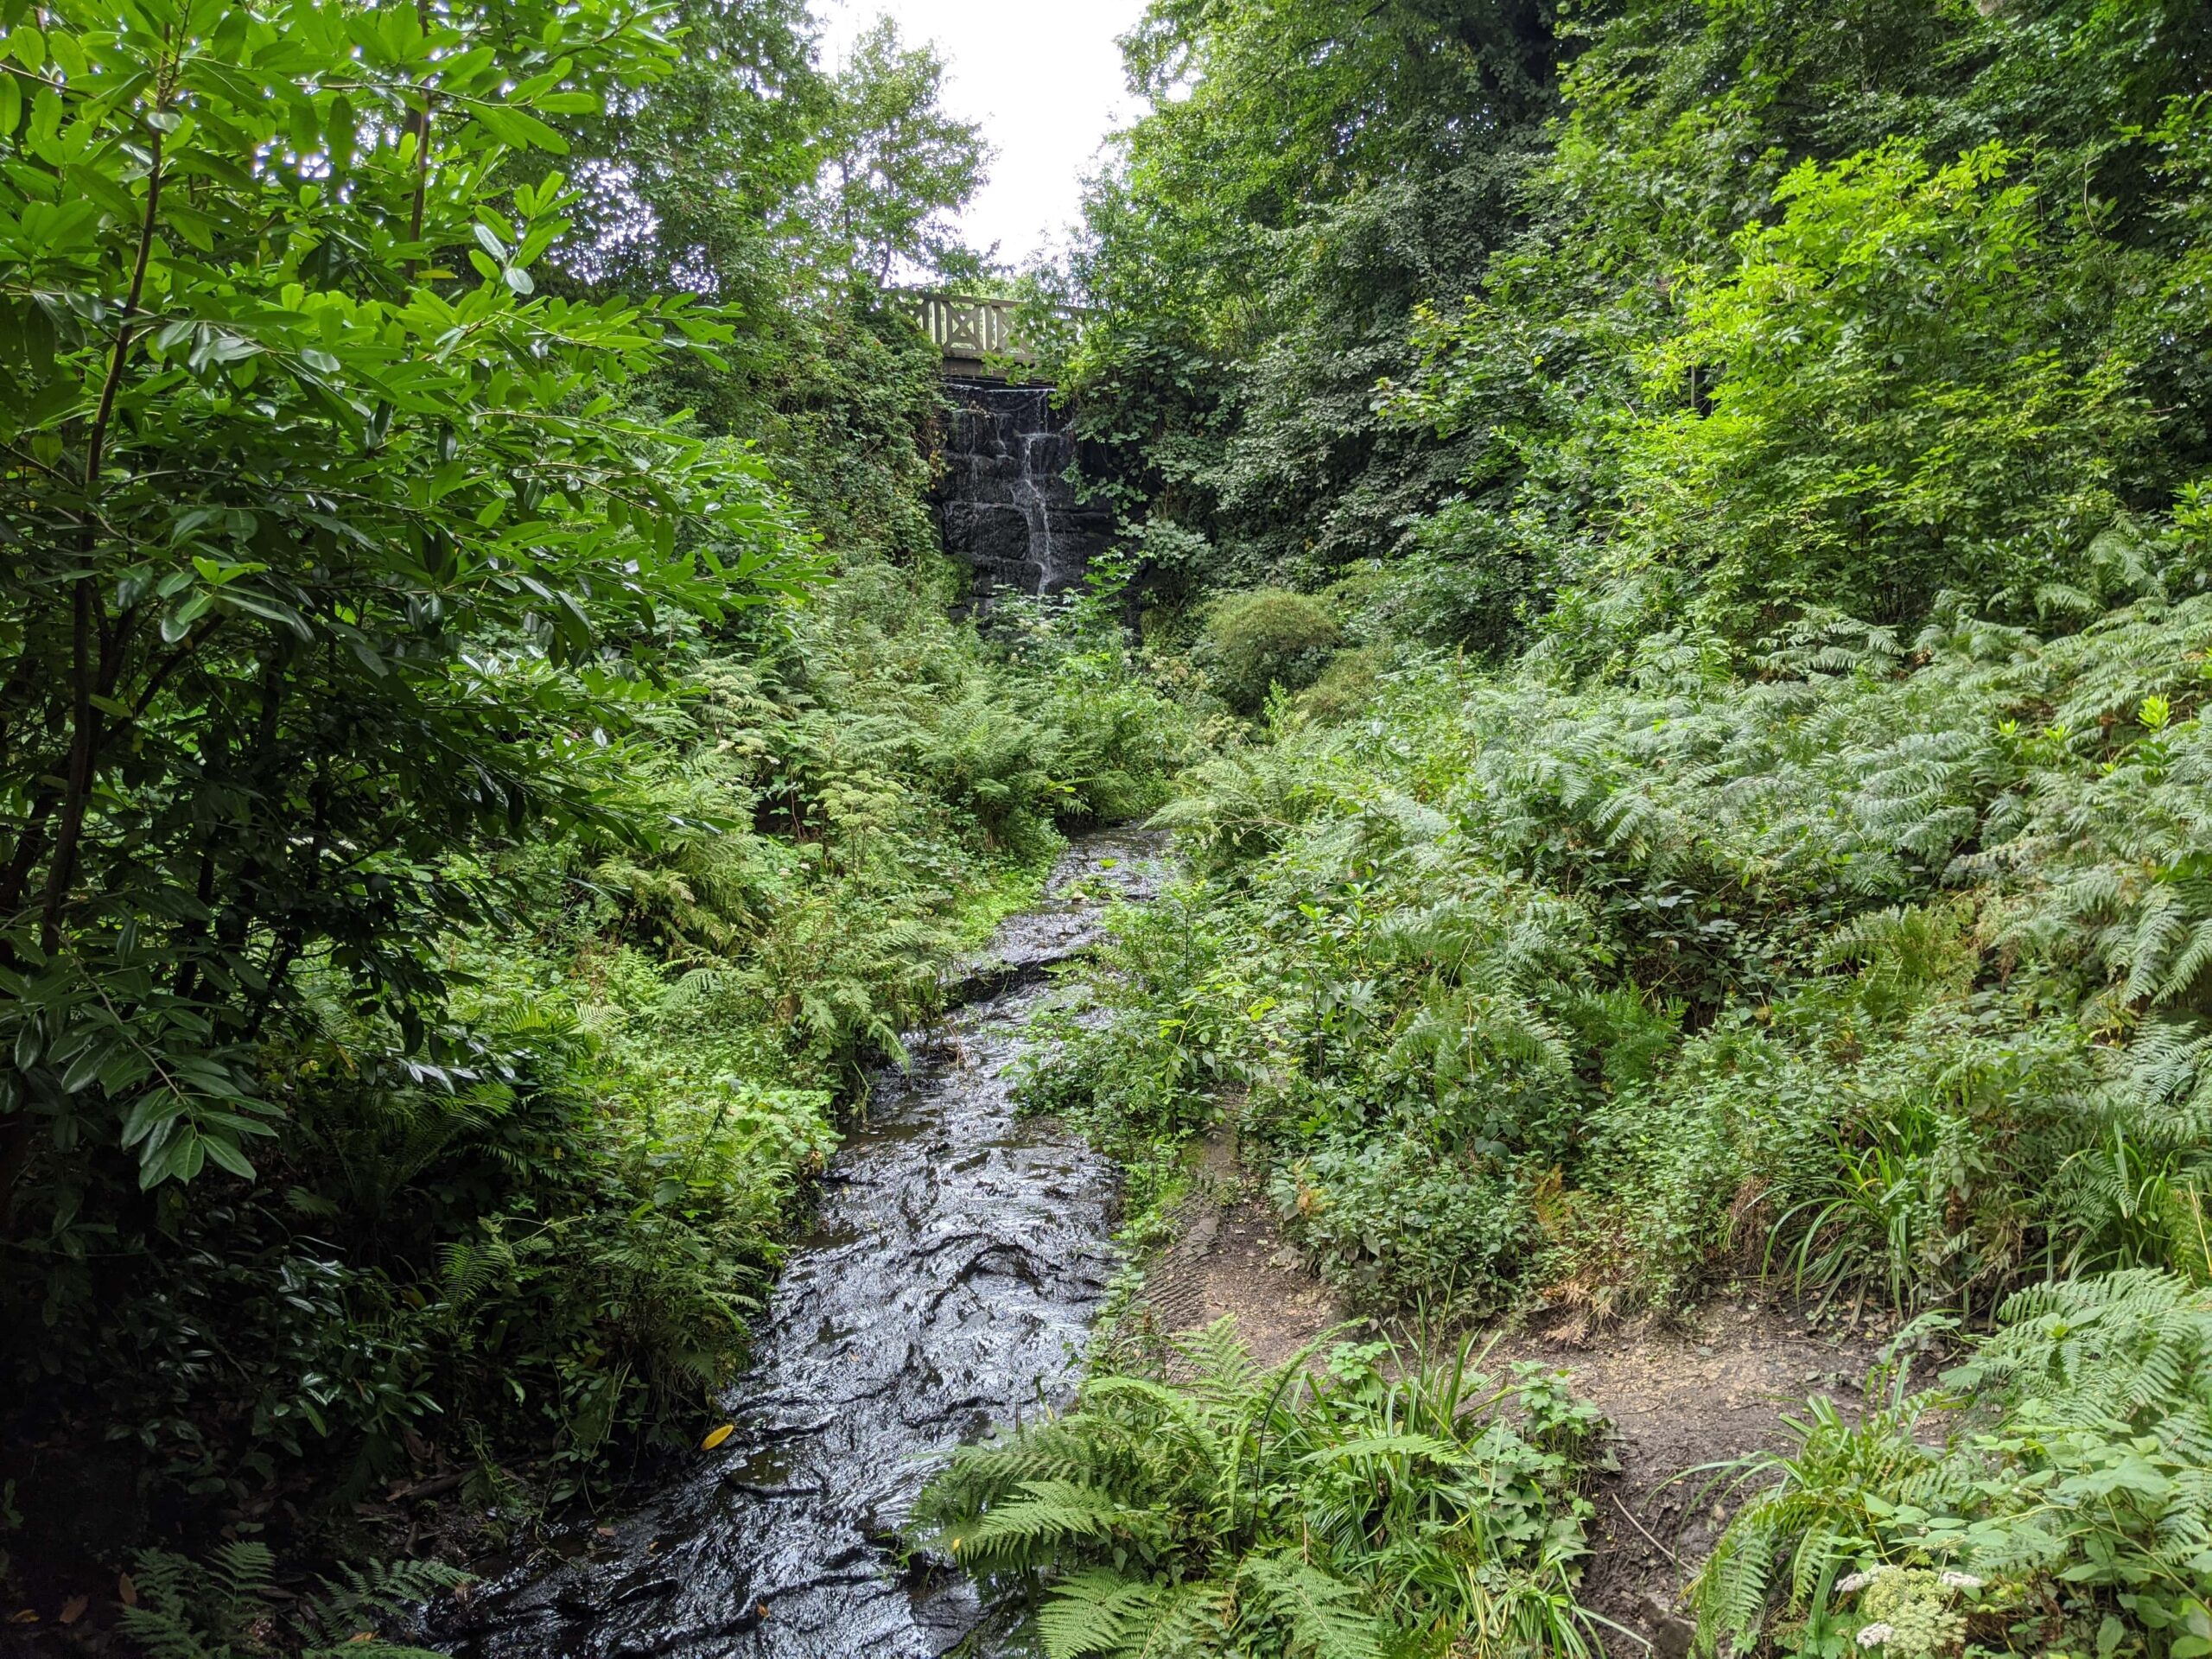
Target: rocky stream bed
957, 1256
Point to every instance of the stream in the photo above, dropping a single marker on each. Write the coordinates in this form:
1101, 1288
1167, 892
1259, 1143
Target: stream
957, 1256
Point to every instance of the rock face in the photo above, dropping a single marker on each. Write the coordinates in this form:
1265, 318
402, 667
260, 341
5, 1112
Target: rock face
1007, 509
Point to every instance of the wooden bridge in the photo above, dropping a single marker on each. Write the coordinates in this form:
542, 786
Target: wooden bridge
978, 334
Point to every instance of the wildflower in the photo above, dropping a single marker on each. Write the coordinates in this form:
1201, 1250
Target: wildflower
1873, 1636
1958, 1581
1855, 1582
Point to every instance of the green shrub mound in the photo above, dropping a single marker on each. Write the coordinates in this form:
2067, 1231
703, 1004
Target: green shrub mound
1365, 1503
1254, 643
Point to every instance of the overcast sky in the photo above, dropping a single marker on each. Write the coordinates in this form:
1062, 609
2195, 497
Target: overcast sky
1045, 79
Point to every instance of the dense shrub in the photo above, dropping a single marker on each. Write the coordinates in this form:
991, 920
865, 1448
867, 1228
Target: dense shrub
1254, 643
1389, 1222
471, 815
546, 1238
1885, 971
2066, 1510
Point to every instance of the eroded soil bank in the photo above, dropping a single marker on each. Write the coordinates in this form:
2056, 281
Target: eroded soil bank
1680, 1396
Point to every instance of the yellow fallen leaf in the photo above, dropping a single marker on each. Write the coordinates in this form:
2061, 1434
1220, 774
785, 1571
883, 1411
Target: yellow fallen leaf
28, 1615
718, 1437
126, 1591
74, 1609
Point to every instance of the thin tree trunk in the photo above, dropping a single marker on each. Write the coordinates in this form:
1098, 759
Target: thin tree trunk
83, 748
418, 122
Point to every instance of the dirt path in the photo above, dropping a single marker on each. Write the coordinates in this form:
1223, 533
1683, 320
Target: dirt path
1709, 1391
1228, 1256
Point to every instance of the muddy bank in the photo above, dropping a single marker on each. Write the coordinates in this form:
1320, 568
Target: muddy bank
1705, 1390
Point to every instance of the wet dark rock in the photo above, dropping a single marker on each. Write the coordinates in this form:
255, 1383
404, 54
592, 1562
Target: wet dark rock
1006, 507
948, 1286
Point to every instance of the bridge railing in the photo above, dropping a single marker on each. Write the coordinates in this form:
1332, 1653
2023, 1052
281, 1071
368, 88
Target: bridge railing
971, 329
968, 326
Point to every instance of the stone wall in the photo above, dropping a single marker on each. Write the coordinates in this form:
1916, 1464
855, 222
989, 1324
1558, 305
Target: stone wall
1007, 509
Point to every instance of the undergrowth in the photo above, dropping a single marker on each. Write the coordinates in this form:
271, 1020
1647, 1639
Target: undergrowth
1885, 972
2066, 1507
229, 1606
1346, 1504
540, 1245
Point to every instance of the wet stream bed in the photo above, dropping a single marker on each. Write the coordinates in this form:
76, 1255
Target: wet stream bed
957, 1256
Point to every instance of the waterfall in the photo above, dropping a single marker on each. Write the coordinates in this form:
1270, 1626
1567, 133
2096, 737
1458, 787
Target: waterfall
1008, 512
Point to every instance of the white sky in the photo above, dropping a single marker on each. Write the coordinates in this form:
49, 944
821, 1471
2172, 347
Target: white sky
1044, 77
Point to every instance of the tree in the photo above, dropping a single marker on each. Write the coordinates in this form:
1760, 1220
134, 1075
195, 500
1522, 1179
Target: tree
1308, 172
898, 166
328, 551
690, 181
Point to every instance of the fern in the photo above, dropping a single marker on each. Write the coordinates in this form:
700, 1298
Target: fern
1238, 1509
2130, 1347
218, 1608
2085, 1490
197, 1609
1096, 1612
1321, 1615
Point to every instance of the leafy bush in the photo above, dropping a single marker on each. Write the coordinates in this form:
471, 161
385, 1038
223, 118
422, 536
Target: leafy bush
1387, 1222
1255, 642
1344, 689
1375, 1503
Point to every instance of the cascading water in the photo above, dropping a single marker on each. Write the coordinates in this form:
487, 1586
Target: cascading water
948, 1284
1009, 510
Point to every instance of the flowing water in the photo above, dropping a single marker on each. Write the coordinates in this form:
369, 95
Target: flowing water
1009, 509
957, 1256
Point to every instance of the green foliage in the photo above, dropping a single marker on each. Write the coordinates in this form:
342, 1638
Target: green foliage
1306, 172
1761, 829
2069, 1511
223, 1607
1371, 1502
1882, 971
1388, 1223
897, 161
555, 1234
467, 825
1905, 406
300, 596
1145, 1076
1807, 318
1255, 642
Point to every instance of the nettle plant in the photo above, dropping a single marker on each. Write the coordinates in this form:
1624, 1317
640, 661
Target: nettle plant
328, 550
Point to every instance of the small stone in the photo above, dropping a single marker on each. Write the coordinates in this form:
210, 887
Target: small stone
1671, 1634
